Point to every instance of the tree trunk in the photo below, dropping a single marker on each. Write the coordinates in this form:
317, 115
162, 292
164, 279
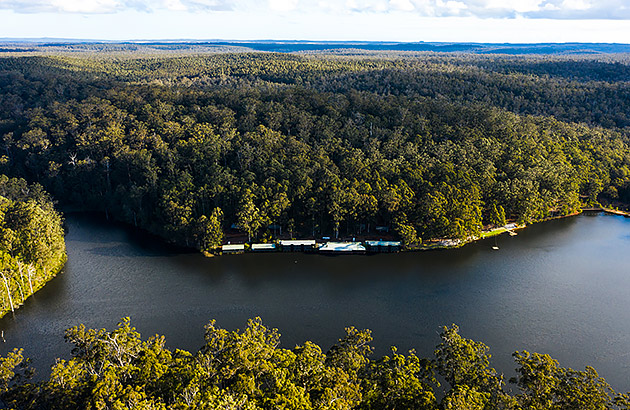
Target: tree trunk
6, 285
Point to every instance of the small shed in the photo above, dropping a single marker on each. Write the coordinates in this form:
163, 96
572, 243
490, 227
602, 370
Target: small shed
342, 247
303, 245
235, 248
263, 247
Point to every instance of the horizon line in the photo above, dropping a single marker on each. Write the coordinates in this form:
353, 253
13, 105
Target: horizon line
215, 40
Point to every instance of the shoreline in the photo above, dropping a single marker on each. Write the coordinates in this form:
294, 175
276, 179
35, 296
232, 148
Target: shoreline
431, 244
502, 230
445, 243
55, 271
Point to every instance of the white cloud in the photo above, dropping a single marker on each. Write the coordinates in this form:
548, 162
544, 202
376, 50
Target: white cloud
62, 6
86, 6
455, 7
583, 9
111, 6
501, 9
373, 6
576, 4
402, 5
283, 5
518, 6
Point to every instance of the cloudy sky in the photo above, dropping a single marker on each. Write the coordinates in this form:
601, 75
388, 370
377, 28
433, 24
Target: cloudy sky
389, 20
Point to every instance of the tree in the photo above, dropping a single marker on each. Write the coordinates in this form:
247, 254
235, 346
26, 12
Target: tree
249, 217
496, 215
464, 362
546, 385
209, 231
405, 231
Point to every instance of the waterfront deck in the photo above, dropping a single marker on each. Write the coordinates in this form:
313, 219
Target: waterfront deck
383, 246
263, 247
233, 248
304, 245
608, 211
342, 247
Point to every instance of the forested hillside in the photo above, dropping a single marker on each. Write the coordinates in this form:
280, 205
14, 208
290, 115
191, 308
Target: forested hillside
32, 245
430, 146
249, 370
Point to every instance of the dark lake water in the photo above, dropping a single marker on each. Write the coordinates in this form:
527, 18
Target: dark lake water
560, 287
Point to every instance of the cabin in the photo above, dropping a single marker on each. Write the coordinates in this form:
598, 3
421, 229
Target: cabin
263, 247
383, 246
236, 248
305, 245
342, 247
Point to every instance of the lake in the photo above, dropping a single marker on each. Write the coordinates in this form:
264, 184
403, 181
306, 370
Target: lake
560, 287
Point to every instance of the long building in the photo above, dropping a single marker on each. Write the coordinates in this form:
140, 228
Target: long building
342, 247
297, 245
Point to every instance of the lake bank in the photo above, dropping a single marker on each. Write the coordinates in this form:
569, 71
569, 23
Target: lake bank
431, 244
559, 288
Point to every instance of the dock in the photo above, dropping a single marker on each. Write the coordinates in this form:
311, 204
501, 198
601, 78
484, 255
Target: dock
383, 246
263, 247
342, 247
305, 245
235, 248
311, 245
608, 211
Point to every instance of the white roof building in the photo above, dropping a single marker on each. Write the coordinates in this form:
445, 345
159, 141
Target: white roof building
263, 247
233, 248
342, 247
302, 242
383, 243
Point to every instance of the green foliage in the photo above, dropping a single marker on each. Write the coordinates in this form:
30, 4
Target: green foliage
546, 385
465, 398
398, 382
431, 147
247, 369
32, 247
209, 233
405, 231
464, 362
496, 215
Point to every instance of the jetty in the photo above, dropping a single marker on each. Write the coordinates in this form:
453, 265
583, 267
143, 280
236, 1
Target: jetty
233, 248
342, 247
383, 246
607, 210
263, 247
304, 245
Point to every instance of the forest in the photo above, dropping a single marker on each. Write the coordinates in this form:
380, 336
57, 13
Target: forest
197, 147
32, 246
249, 370
425, 146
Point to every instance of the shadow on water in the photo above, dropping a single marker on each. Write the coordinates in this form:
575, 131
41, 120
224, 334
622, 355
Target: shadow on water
104, 231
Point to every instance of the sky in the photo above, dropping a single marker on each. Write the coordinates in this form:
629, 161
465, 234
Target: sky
495, 21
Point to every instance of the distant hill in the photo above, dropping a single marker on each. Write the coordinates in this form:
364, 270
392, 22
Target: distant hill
53, 45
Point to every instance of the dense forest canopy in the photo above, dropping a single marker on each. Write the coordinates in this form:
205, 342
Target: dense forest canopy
249, 370
429, 145
188, 146
32, 248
